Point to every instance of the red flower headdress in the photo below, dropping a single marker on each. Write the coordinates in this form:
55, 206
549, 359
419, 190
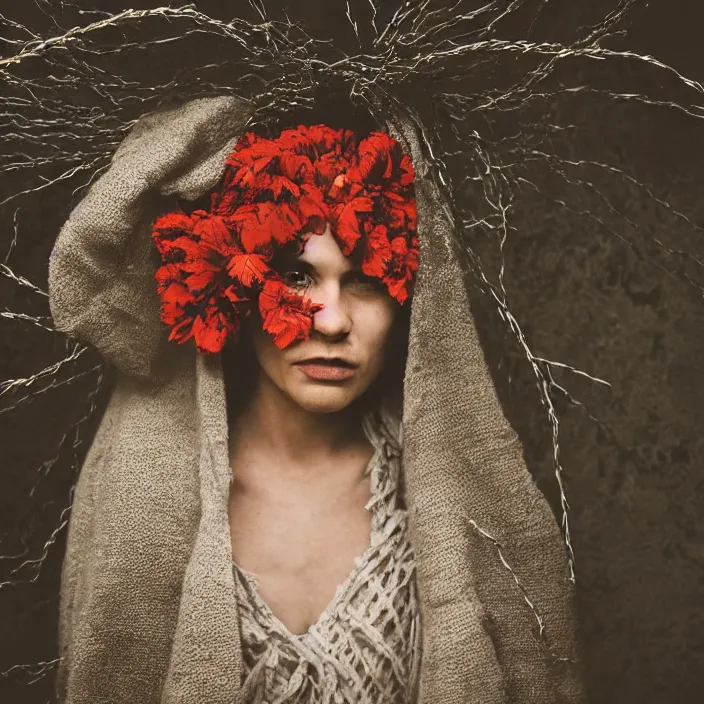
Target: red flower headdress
274, 194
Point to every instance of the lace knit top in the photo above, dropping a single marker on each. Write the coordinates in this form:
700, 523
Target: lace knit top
365, 647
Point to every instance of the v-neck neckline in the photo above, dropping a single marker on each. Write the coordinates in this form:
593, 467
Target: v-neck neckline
322, 620
372, 469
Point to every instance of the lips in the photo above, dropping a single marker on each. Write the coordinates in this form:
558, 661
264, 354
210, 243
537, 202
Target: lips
335, 369
327, 361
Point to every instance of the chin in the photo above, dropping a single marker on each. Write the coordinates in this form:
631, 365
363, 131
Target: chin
325, 399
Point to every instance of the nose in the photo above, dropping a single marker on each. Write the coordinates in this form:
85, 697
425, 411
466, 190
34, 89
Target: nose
333, 320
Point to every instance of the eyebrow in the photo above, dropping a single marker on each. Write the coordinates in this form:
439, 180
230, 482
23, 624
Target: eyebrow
292, 261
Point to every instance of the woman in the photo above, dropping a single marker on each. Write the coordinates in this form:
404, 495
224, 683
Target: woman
323, 566
304, 471
213, 521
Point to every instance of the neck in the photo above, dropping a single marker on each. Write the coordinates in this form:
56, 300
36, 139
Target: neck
276, 436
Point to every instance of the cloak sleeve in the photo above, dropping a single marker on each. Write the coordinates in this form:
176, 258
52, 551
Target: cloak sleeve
101, 273
136, 504
497, 603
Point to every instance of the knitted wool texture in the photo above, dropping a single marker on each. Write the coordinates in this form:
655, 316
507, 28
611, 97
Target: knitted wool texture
148, 601
365, 646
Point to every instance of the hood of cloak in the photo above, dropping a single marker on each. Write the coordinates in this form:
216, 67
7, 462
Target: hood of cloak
148, 611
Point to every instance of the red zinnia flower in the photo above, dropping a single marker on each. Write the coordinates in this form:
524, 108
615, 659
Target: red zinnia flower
401, 269
212, 326
286, 316
261, 224
209, 326
273, 196
345, 221
378, 252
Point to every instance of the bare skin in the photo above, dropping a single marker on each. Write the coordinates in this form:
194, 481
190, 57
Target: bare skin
298, 452
298, 527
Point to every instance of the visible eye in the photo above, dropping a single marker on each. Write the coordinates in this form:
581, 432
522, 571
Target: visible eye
295, 278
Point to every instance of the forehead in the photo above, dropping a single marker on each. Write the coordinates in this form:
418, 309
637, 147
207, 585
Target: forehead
323, 253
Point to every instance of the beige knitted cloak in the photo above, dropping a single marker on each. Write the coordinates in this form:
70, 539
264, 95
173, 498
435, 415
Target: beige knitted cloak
148, 610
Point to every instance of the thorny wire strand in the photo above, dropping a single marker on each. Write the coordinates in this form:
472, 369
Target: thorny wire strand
422, 39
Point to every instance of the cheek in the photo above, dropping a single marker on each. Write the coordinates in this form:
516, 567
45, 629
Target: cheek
375, 325
267, 353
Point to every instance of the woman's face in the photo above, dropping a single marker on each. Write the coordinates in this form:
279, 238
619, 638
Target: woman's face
354, 326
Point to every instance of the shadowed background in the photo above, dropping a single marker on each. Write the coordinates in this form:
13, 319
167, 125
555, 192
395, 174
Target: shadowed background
589, 290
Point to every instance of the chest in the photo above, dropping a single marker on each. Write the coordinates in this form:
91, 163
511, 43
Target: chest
300, 546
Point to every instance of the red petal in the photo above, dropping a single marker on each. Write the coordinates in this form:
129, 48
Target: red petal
198, 266
329, 166
183, 246
177, 296
397, 289
213, 232
270, 295
407, 171
399, 246
378, 252
174, 300
248, 268
210, 333
286, 316
182, 332
323, 137
295, 140
165, 275
168, 227
296, 167
260, 223
374, 158
346, 222
177, 220
314, 211
278, 184
199, 282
